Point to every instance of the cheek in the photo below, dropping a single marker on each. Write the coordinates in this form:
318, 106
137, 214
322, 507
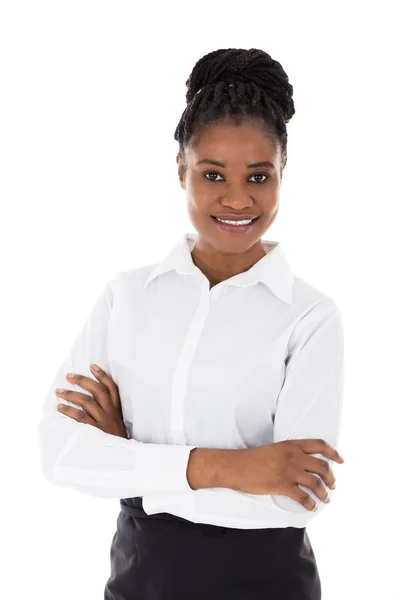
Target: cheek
196, 214
197, 201
271, 214
194, 181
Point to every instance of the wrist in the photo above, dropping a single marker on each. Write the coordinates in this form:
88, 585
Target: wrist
211, 468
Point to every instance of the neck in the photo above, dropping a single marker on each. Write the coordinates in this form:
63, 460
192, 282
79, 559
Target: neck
217, 267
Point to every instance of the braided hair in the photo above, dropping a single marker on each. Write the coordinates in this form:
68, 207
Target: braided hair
234, 85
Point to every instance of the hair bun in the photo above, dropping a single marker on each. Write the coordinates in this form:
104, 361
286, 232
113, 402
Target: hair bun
249, 66
261, 89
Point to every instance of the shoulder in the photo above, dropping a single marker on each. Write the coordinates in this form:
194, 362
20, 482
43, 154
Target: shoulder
135, 276
306, 296
317, 315
314, 309
130, 280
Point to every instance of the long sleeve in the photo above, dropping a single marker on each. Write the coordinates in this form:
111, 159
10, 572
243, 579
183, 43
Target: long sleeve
310, 401
85, 458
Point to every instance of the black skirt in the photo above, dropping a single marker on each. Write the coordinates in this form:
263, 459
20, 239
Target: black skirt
165, 557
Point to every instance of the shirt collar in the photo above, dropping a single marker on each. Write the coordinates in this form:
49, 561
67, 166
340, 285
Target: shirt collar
273, 269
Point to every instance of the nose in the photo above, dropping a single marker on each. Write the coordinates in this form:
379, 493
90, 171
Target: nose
237, 200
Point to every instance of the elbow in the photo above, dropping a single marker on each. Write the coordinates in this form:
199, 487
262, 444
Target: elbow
53, 439
47, 457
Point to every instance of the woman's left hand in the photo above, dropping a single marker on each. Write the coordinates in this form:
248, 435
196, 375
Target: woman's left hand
103, 410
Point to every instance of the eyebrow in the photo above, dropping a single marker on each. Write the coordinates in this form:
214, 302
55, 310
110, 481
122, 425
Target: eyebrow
263, 163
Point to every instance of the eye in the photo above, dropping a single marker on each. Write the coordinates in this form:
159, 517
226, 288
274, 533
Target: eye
255, 175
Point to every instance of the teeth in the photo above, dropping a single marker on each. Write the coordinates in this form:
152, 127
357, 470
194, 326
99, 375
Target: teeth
236, 222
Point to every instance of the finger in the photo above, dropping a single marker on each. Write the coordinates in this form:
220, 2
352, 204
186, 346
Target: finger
322, 468
88, 403
109, 383
99, 391
319, 446
77, 414
296, 493
315, 484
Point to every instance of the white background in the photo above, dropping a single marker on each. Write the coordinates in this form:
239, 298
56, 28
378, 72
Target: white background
91, 94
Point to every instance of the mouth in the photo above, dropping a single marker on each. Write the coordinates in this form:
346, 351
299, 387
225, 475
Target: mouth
234, 228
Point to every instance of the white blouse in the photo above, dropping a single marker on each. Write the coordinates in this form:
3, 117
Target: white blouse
254, 360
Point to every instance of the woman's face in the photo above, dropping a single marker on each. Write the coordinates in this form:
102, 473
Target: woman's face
235, 188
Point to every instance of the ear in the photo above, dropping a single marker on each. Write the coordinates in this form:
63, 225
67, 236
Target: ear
281, 172
181, 171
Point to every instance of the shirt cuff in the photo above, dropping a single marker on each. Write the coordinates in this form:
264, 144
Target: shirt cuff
162, 467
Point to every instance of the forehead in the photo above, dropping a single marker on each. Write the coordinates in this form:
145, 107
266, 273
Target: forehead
233, 144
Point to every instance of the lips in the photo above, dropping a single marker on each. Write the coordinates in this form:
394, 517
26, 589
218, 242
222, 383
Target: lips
237, 229
236, 217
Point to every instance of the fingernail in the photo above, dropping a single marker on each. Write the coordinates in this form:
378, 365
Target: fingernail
95, 367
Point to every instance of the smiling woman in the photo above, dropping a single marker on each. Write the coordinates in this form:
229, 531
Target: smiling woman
238, 105
216, 412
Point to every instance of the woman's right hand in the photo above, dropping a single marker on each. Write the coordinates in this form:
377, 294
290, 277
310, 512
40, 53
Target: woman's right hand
278, 469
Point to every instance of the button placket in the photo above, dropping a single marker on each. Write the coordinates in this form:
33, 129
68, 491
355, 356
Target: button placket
183, 366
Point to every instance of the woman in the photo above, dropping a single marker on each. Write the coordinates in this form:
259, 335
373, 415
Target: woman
216, 410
